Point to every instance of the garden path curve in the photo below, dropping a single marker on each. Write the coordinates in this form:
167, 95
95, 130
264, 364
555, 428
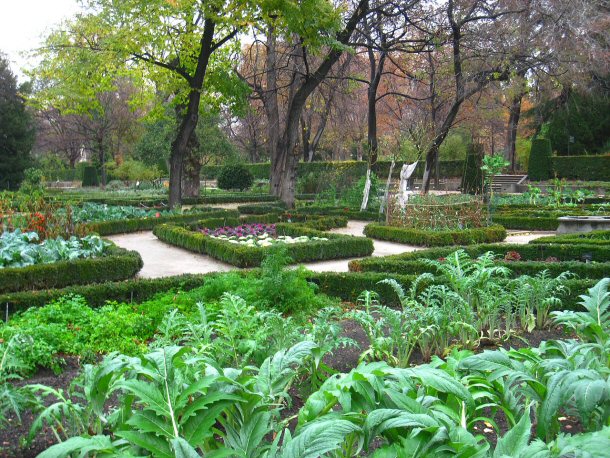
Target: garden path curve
162, 260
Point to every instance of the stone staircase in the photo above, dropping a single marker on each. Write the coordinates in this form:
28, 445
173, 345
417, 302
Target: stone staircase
507, 183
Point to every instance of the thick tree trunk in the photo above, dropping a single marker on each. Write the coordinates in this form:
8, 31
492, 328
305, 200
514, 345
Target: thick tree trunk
284, 158
191, 180
189, 121
511, 131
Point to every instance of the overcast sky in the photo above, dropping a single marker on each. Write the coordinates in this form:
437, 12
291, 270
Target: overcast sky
23, 23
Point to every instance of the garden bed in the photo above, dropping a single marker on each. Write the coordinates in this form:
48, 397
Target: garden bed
589, 238
115, 264
421, 237
520, 259
146, 224
320, 245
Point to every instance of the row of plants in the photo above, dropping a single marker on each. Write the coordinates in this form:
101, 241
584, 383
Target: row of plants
113, 264
587, 261
587, 238
179, 398
71, 327
318, 246
424, 237
21, 249
122, 226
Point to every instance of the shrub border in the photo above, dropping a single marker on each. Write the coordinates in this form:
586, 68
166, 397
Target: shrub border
344, 285
421, 237
116, 264
127, 225
337, 247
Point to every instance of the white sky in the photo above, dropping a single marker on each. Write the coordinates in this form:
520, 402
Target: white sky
24, 23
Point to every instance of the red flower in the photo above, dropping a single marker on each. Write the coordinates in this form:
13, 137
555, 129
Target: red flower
157, 215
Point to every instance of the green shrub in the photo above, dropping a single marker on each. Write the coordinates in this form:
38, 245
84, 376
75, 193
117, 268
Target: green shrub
588, 238
261, 209
90, 176
528, 223
146, 224
421, 237
540, 165
588, 168
116, 264
472, 181
336, 247
235, 176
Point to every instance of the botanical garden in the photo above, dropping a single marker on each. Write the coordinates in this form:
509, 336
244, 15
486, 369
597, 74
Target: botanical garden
307, 229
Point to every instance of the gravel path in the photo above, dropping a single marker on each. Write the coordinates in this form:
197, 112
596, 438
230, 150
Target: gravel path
162, 260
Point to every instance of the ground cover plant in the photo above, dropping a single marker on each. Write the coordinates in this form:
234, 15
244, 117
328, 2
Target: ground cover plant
70, 327
21, 249
256, 235
518, 398
90, 211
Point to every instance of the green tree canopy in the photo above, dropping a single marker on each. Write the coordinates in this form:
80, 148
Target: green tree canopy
16, 130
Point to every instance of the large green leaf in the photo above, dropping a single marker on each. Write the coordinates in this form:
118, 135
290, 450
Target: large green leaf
318, 438
516, 439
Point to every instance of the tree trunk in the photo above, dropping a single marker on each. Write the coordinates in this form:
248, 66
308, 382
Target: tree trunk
191, 180
511, 131
189, 121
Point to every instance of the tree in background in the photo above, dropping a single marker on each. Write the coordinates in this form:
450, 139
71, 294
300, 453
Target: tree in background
16, 130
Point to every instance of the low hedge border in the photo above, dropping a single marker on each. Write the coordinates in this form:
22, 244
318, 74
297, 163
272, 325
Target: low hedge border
147, 224
261, 209
317, 222
345, 285
529, 223
528, 252
421, 237
337, 247
349, 213
116, 264
589, 238
415, 267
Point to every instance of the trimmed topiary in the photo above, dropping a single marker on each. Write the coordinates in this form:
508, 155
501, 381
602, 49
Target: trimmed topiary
90, 176
540, 164
235, 176
472, 181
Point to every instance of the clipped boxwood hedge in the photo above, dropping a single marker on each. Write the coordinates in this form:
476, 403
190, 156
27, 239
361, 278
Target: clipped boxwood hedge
367, 215
588, 238
421, 237
345, 285
337, 247
146, 224
587, 168
527, 223
261, 209
569, 257
116, 264
318, 222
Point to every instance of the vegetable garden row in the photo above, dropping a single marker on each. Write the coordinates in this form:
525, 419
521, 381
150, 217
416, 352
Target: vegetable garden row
474, 349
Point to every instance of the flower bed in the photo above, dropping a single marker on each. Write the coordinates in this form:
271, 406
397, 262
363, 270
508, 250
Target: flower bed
255, 235
305, 244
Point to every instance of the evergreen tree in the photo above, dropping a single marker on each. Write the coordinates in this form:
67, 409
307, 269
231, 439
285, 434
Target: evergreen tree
16, 130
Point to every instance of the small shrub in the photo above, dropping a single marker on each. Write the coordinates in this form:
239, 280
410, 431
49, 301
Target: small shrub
90, 176
235, 176
540, 165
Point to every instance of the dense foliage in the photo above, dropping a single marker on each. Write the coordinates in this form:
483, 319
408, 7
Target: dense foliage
20, 249
540, 165
235, 176
16, 130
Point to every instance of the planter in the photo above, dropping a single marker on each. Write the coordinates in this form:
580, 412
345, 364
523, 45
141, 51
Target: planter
572, 224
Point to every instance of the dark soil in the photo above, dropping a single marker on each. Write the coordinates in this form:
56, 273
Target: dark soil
342, 360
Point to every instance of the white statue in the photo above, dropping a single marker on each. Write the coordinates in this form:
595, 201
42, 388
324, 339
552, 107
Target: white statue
405, 173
